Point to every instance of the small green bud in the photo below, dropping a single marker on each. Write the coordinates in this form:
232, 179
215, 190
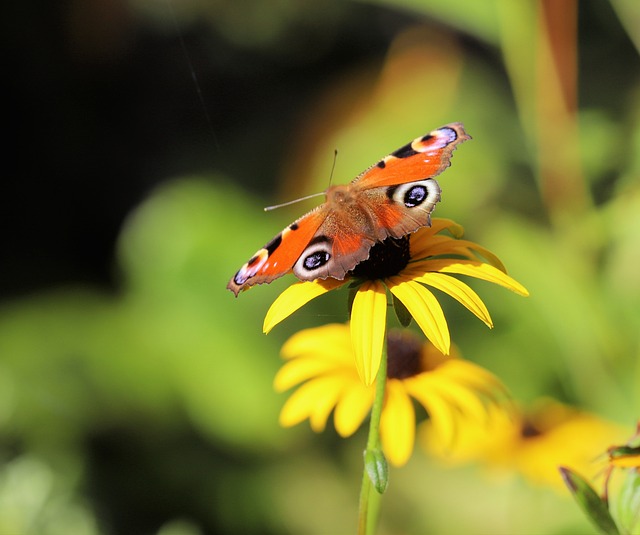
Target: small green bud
377, 469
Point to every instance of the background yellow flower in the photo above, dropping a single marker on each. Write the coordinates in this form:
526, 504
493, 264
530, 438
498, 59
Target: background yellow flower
320, 363
533, 443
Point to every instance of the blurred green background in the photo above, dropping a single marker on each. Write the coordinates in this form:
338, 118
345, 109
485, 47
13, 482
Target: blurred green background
135, 391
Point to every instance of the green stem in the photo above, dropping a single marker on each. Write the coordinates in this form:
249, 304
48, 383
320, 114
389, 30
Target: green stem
369, 496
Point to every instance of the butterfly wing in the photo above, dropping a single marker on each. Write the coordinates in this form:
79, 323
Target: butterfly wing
360, 219
278, 256
400, 192
425, 157
390, 199
343, 239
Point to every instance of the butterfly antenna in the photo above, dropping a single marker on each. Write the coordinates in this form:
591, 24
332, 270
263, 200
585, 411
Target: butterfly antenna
268, 208
333, 167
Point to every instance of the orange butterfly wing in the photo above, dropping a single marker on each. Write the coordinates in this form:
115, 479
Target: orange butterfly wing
357, 219
277, 257
392, 198
424, 157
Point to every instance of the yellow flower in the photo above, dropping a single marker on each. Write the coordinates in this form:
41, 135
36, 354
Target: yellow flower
320, 363
405, 266
534, 445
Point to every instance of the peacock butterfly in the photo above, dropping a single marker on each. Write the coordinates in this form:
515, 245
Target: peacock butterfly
392, 198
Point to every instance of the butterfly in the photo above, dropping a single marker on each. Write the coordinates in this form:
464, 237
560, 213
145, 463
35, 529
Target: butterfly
392, 198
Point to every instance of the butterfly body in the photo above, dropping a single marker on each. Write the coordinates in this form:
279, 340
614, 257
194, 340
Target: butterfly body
392, 198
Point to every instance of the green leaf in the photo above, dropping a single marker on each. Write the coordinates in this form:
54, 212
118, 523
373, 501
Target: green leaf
589, 501
377, 469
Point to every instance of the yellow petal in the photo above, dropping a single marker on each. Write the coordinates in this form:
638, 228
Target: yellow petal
425, 309
488, 441
426, 237
314, 341
427, 246
438, 224
486, 254
441, 415
299, 370
475, 377
397, 424
352, 408
626, 461
294, 297
472, 268
466, 249
464, 401
314, 400
459, 291
368, 322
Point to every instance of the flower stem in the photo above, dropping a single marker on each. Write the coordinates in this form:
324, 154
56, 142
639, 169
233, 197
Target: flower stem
374, 475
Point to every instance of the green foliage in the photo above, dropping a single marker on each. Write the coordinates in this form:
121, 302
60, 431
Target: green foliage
589, 501
628, 503
155, 400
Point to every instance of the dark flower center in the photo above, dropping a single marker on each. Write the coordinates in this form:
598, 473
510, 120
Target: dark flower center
386, 258
404, 352
529, 430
